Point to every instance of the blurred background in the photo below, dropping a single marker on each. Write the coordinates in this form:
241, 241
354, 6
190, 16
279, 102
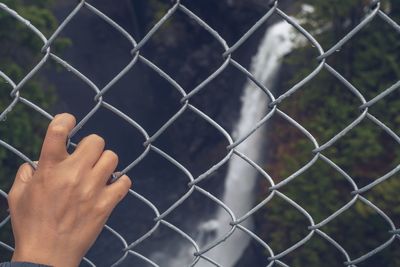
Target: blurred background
279, 58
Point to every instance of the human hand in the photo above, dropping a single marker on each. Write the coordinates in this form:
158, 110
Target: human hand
58, 210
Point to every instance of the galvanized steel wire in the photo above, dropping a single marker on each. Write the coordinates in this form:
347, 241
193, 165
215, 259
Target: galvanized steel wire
275, 257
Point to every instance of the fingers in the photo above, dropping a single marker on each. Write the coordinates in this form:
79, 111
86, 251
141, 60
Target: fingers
116, 191
54, 144
89, 149
105, 166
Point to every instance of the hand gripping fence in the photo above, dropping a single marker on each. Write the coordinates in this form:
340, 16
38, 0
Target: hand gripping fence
275, 257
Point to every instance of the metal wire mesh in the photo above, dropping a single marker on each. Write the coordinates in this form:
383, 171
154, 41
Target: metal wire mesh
275, 257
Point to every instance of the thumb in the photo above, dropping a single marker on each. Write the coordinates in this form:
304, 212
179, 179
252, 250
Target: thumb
24, 174
54, 144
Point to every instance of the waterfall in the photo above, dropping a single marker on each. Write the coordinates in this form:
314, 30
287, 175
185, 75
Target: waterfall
241, 177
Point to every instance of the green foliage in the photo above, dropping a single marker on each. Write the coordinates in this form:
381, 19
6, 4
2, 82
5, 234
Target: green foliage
371, 62
20, 51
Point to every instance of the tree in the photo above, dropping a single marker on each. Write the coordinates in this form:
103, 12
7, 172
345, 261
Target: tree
371, 62
20, 52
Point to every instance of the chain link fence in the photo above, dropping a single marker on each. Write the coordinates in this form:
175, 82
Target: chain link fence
275, 257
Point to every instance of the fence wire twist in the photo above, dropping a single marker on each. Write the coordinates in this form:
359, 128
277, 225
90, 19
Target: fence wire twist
235, 224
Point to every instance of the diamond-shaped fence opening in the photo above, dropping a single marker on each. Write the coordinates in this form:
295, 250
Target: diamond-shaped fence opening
211, 243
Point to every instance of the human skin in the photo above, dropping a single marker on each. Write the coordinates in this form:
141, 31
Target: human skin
58, 210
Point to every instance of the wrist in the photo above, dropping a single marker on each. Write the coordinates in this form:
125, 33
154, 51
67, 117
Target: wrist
18, 257
43, 257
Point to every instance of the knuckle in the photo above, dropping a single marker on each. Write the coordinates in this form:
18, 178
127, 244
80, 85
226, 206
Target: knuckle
58, 130
74, 181
96, 138
111, 155
88, 193
101, 207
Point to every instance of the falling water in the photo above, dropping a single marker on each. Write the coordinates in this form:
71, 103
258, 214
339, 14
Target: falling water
241, 177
